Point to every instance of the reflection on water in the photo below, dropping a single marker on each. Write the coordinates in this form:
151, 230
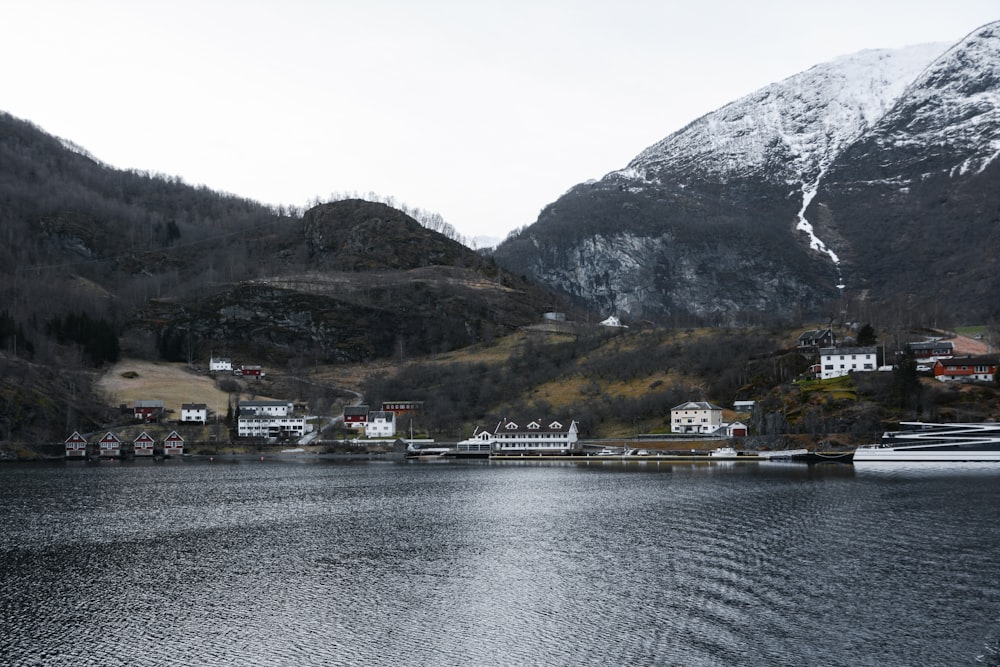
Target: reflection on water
197, 563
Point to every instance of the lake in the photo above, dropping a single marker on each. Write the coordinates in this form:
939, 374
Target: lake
305, 562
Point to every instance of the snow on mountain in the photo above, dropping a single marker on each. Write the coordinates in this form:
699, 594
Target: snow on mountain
954, 103
807, 118
764, 205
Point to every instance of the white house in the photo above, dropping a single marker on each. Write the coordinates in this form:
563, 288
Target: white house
381, 424
535, 437
695, 417
194, 413
220, 364
843, 360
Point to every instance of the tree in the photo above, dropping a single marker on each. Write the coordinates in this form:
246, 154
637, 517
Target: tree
866, 336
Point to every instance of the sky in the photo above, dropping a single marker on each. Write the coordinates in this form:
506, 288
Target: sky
482, 111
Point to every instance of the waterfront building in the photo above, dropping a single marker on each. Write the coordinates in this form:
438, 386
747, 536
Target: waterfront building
173, 445
76, 446
110, 446
536, 436
695, 417
143, 444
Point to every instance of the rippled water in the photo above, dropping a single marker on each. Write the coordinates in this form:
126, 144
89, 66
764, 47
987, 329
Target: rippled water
478, 563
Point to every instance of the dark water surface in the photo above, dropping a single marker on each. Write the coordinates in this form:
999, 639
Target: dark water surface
396, 563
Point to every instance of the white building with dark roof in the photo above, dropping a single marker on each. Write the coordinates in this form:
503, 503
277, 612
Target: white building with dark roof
838, 361
695, 417
537, 436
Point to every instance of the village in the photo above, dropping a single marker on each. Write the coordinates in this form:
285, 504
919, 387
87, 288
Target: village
273, 421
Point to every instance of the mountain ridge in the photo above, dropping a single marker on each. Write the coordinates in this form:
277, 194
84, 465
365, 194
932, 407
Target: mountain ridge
727, 219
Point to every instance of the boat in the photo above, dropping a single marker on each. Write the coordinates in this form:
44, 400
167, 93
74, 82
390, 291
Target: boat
922, 441
724, 453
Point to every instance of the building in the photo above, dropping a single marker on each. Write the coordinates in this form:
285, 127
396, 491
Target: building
194, 413
967, 369
252, 372
736, 430
76, 446
816, 339
695, 417
147, 411
173, 445
381, 424
355, 416
836, 362
143, 444
743, 407
265, 426
220, 364
931, 350
401, 408
535, 437
110, 446
265, 408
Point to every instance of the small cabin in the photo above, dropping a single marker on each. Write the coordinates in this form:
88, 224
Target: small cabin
76, 446
173, 445
110, 446
143, 444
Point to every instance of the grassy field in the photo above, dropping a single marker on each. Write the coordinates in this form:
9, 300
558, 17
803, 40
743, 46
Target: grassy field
173, 383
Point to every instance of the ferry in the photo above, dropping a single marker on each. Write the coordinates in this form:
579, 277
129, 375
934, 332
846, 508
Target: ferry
922, 441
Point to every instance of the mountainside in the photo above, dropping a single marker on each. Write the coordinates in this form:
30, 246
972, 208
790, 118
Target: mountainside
786, 202
99, 262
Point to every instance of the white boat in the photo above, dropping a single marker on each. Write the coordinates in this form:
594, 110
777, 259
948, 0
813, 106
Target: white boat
921, 441
724, 453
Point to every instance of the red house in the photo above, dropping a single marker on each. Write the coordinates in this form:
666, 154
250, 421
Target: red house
144, 444
173, 445
147, 411
250, 372
111, 446
401, 408
967, 369
76, 446
355, 416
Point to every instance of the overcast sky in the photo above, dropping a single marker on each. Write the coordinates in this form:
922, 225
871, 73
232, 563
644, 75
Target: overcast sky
483, 112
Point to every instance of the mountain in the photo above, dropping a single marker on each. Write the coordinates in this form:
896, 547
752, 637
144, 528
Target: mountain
98, 263
821, 190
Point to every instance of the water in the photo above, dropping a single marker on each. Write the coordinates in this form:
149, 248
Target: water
478, 563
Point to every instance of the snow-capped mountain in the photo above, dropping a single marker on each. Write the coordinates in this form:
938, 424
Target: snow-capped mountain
745, 210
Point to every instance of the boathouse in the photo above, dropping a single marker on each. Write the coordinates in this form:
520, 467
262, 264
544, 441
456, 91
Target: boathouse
76, 446
143, 444
111, 446
173, 445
